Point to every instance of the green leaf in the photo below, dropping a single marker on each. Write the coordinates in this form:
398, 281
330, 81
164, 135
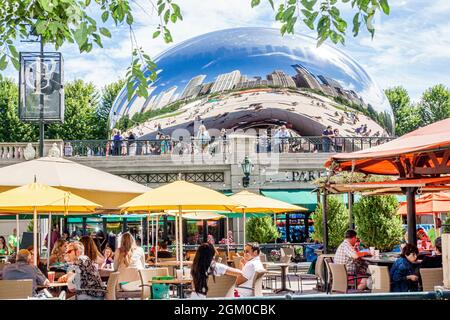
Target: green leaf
271, 4
15, 63
105, 32
167, 16
385, 6
161, 8
156, 34
130, 19
46, 5
105, 16
13, 51
3, 63
255, 3
309, 4
356, 24
173, 18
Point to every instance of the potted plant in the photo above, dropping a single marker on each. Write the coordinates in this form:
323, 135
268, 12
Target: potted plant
275, 255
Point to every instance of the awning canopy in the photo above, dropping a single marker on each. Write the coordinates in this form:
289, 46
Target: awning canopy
301, 197
426, 151
393, 186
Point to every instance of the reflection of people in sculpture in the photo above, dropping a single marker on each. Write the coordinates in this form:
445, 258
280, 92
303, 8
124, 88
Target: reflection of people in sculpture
282, 138
203, 137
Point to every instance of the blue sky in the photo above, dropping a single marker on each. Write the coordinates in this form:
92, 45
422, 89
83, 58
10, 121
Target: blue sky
411, 46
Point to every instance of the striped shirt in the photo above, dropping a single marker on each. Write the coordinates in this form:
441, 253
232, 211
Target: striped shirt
345, 254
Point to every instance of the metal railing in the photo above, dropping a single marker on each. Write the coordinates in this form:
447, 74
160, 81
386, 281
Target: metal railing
217, 146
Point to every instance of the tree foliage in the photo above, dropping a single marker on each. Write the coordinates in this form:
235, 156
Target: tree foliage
11, 128
109, 94
407, 115
377, 222
435, 104
338, 221
80, 117
261, 230
71, 21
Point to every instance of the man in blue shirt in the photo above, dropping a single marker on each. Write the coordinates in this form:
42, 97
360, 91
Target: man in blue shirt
23, 269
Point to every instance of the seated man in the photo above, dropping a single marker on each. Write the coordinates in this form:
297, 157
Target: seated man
436, 260
347, 254
249, 265
163, 252
82, 276
24, 269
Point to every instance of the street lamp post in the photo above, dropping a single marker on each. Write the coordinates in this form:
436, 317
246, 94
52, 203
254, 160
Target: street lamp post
247, 167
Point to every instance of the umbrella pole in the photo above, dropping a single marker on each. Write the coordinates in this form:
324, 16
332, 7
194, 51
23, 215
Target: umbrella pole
156, 238
18, 233
142, 232
180, 220
49, 240
238, 231
177, 250
35, 236
228, 242
245, 219
148, 240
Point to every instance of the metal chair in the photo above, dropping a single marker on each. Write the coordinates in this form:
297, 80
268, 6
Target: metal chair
16, 289
381, 281
431, 277
146, 275
221, 287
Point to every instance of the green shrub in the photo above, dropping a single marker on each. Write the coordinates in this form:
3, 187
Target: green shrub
377, 222
261, 230
337, 222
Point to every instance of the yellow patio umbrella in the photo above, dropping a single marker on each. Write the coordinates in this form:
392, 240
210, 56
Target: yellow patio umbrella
190, 215
181, 196
38, 198
254, 203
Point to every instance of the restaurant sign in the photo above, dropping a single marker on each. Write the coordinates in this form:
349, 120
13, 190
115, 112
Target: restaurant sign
295, 176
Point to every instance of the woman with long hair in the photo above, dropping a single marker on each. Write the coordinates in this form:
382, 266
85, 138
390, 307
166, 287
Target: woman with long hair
58, 252
3, 246
91, 250
129, 255
205, 266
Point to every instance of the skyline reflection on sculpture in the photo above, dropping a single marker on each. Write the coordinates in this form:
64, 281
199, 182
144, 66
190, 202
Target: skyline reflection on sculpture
241, 58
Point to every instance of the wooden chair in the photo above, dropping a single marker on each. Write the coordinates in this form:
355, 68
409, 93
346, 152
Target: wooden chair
112, 286
236, 261
431, 277
287, 251
132, 288
381, 281
16, 289
222, 286
263, 257
146, 275
257, 283
339, 280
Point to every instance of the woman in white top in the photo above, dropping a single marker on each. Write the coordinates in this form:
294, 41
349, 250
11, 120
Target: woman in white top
205, 266
203, 137
128, 259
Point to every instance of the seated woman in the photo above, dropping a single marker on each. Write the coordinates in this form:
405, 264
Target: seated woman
91, 250
58, 252
402, 272
436, 260
205, 266
3, 247
129, 257
109, 259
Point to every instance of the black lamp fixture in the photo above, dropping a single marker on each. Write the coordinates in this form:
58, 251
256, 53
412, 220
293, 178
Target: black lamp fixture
247, 167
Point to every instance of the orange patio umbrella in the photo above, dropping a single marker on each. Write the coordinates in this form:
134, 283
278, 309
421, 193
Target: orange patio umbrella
429, 204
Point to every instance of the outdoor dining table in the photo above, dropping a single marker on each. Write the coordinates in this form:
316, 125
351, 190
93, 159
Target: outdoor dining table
179, 283
284, 270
